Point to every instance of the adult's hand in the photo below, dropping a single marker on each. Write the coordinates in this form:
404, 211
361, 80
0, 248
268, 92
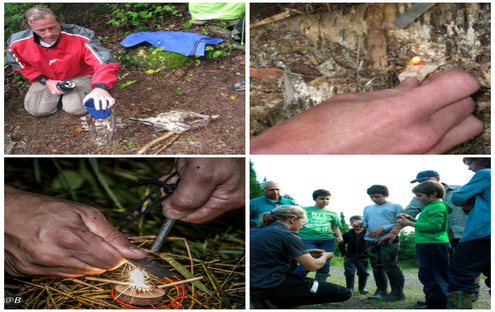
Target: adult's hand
49, 236
413, 118
51, 85
316, 252
101, 98
208, 188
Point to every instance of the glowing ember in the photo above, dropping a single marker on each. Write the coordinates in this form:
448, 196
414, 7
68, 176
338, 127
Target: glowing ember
138, 279
415, 61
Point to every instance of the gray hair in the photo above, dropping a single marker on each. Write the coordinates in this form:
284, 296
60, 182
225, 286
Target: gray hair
283, 213
266, 183
37, 13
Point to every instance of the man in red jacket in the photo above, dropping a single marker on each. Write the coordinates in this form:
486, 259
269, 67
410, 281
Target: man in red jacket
50, 52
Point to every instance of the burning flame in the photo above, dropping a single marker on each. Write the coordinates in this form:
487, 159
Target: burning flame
138, 279
415, 61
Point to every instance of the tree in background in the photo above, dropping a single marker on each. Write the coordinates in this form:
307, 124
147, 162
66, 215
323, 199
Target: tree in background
255, 189
344, 227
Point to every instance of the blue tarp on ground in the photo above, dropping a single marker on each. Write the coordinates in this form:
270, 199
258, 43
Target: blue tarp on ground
184, 43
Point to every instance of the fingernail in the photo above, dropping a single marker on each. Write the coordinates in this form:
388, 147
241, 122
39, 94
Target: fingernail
137, 251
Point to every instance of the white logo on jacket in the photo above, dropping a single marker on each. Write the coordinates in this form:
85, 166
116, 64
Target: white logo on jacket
52, 61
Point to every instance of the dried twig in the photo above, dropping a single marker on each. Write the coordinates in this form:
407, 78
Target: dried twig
164, 147
181, 282
153, 142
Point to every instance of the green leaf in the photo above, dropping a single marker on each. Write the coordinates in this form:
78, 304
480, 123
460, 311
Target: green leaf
179, 91
128, 83
187, 25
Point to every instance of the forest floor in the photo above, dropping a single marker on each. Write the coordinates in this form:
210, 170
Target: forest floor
204, 86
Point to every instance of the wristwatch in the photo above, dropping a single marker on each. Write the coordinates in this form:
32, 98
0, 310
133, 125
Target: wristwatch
42, 79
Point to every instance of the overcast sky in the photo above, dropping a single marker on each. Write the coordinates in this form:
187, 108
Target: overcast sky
348, 177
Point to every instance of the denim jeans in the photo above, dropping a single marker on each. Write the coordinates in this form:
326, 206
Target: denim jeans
470, 259
433, 262
327, 245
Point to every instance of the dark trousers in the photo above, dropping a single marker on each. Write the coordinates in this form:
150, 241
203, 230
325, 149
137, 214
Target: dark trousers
433, 262
295, 291
384, 256
470, 259
453, 246
351, 265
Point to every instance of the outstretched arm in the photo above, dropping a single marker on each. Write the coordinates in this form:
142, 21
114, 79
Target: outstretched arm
413, 118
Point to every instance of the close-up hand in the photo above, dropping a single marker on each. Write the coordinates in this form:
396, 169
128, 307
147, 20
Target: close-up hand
413, 118
316, 252
101, 98
403, 222
51, 85
49, 236
208, 188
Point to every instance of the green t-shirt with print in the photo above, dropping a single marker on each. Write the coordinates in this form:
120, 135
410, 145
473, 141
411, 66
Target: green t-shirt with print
319, 225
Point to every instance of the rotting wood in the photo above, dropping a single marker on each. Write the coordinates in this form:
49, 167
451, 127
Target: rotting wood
450, 35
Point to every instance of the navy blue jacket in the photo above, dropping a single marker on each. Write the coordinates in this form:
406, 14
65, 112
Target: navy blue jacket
356, 247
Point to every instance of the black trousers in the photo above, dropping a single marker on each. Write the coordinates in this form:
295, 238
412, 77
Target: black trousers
295, 291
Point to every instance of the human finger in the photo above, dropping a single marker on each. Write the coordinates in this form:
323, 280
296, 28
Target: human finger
99, 226
111, 101
52, 261
182, 202
467, 129
451, 115
442, 89
406, 84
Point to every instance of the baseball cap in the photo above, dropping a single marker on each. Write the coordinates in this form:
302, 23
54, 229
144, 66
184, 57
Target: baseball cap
424, 175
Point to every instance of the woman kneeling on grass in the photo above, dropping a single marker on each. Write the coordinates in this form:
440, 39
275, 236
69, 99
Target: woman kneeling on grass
275, 248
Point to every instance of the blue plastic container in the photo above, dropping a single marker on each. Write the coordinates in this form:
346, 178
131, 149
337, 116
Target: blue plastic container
97, 114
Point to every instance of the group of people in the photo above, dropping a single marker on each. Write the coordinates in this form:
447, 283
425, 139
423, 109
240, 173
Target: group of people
452, 235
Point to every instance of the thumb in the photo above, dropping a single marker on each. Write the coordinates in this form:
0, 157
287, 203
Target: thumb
98, 225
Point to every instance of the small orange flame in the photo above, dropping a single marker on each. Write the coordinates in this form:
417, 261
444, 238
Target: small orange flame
415, 61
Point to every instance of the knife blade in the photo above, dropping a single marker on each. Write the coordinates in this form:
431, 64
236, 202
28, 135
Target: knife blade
412, 14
